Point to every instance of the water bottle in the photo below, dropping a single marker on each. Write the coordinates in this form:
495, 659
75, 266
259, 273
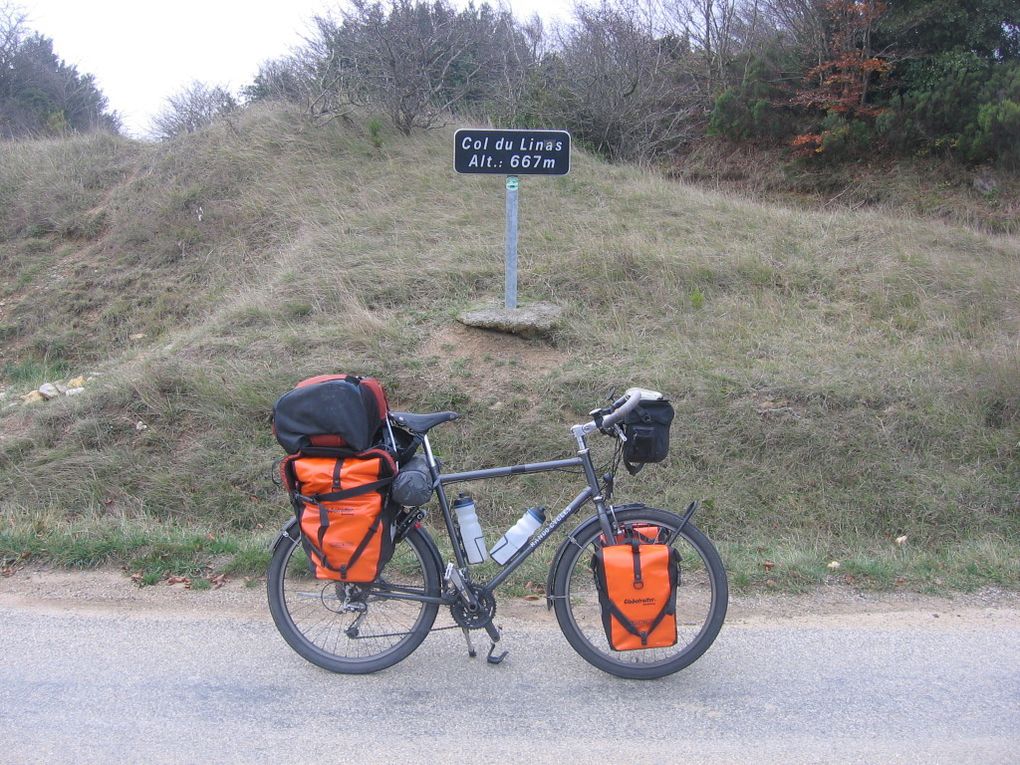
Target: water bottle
518, 534
470, 530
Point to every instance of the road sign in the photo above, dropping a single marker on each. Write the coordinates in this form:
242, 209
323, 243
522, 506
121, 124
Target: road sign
512, 152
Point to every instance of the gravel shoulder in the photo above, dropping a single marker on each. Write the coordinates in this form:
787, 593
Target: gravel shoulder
112, 591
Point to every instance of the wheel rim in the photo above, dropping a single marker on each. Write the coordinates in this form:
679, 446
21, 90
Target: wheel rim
333, 621
696, 597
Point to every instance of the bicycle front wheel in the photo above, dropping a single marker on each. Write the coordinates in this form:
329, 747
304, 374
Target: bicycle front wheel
350, 628
702, 595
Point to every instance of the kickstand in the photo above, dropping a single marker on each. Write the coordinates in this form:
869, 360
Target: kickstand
495, 659
494, 637
471, 646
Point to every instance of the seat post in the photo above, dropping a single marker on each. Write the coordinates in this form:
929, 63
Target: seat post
428, 451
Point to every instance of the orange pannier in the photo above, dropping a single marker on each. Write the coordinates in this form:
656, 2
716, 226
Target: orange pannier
637, 583
341, 506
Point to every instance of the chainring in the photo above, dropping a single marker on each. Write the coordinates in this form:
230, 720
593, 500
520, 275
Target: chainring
479, 618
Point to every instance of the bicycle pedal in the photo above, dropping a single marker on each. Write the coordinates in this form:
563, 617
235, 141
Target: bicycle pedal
495, 659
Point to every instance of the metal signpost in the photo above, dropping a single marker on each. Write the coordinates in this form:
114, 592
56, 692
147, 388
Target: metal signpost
512, 153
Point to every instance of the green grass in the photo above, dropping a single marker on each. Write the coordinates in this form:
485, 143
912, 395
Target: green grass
840, 379
155, 551
33, 372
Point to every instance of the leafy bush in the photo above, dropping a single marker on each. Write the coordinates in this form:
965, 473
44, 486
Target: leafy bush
40, 94
737, 117
961, 104
998, 134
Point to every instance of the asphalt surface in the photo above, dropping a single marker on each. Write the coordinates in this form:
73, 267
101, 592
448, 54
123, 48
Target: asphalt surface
88, 682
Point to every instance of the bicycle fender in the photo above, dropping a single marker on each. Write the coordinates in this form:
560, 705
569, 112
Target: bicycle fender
570, 540
430, 543
286, 532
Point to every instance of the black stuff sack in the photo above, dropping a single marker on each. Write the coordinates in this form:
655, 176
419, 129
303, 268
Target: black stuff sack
330, 414
413, 485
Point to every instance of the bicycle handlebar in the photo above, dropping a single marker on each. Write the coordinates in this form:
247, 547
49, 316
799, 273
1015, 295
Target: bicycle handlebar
608, 416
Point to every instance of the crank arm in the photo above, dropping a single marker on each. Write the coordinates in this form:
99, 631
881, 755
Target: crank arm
453, 576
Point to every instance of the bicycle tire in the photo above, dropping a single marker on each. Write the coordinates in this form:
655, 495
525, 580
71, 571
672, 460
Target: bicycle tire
319, 619
702, 596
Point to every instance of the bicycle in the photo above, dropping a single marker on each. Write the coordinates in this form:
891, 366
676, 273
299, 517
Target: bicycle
362, 628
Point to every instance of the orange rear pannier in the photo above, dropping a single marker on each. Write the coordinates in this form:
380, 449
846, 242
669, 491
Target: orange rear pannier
637, 583
342, 509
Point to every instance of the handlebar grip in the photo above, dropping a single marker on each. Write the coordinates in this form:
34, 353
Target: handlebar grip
608, 416
625, 405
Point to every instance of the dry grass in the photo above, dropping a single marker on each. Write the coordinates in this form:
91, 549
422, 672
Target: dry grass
840, 379
943, 190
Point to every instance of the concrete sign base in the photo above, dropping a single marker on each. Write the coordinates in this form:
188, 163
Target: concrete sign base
531, 320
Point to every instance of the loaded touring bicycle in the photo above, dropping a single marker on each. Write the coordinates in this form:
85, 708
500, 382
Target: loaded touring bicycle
356, 581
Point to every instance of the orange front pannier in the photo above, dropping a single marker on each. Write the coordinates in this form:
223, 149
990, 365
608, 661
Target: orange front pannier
341, 507
637, 585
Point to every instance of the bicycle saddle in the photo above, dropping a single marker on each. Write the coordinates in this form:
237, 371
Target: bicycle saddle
421, 423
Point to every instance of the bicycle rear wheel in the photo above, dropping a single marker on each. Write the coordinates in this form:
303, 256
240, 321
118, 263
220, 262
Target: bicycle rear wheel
702, 594
349, 628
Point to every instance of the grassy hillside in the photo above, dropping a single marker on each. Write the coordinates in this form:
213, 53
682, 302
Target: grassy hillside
982, 197
840, 379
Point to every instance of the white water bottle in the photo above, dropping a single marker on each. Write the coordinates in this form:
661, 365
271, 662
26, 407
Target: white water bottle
518, 534
470, 530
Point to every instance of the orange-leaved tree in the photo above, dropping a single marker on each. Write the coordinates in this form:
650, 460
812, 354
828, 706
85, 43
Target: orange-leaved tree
839, 84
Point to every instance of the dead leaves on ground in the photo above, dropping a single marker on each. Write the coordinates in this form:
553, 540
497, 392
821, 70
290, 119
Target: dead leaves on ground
8, 566
209, 582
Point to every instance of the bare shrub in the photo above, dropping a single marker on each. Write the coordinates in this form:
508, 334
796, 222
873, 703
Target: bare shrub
283, 79
418, 61
619, 83
191, 109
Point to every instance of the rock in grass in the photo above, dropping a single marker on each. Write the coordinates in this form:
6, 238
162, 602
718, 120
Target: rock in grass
531, 320
49, 390
31, 398
76, 382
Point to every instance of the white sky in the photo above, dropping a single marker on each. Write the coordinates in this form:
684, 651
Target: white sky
142, 52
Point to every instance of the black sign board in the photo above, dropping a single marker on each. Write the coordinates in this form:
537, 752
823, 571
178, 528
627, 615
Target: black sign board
512, 152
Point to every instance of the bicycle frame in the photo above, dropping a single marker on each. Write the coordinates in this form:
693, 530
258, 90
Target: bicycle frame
592, 492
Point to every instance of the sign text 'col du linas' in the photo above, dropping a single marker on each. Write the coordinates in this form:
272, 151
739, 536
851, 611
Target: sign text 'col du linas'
512, 152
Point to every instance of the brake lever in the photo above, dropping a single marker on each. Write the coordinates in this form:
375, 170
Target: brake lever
614, 432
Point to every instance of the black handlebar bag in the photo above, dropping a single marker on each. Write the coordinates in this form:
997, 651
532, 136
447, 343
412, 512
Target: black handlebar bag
646, 428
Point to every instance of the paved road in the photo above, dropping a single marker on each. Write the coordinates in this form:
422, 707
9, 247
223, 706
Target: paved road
100, 682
